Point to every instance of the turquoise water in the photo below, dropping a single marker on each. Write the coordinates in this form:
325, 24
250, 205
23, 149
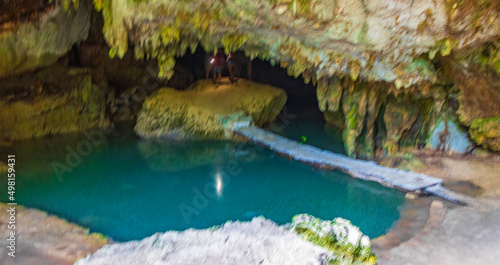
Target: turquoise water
128, 189
312, 127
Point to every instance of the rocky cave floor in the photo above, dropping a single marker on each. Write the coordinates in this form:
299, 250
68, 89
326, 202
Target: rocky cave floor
430, 230
433, 231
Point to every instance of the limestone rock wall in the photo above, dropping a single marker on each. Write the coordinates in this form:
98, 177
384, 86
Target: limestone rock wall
40, 41
379, 66
383, 69
486, 132
52, 101
392, 41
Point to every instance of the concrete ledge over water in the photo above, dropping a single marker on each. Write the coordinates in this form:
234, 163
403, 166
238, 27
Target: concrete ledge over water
366, 170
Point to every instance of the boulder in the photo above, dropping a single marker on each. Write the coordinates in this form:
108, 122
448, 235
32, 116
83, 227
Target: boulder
202, 111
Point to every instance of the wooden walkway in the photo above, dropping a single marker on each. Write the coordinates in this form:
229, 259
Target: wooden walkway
366, 170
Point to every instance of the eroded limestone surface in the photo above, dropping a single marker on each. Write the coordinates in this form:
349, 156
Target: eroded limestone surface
52, 101
41, 38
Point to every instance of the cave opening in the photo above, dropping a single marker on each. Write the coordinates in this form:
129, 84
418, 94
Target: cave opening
300, 119
301, 96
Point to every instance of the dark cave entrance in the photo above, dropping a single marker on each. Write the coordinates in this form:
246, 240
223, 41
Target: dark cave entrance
301, 97
300, 119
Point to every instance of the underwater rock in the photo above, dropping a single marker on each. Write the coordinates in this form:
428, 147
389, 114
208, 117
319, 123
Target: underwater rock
27, 45
200, 112
260, 241
54, 100
345, 240
486, 132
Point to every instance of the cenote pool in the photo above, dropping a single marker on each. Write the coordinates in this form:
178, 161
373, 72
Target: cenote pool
127, 188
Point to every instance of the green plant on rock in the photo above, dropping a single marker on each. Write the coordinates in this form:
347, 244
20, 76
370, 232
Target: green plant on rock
343, 239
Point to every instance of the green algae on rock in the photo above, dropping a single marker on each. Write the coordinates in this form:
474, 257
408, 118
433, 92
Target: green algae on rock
59, 100
486, 132
345, 240
199, 112
29, 45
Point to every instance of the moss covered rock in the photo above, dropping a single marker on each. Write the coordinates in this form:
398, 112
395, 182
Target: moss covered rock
201, 111
40, 42
57, 100
486, 132
345, 240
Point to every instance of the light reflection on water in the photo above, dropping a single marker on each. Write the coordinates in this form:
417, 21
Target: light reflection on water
129, 189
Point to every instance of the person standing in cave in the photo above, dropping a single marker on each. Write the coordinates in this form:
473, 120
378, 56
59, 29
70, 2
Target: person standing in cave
230, 67
208, 64
217, 65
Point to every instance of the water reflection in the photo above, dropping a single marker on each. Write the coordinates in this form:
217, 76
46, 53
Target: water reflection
129, 188
164, 155
218, 183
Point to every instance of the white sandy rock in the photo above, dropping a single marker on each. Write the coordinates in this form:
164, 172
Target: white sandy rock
257, 242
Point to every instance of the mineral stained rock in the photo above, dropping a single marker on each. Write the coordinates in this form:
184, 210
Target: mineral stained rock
201, 111
257, 242
486, 132
54, 100
40, 41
